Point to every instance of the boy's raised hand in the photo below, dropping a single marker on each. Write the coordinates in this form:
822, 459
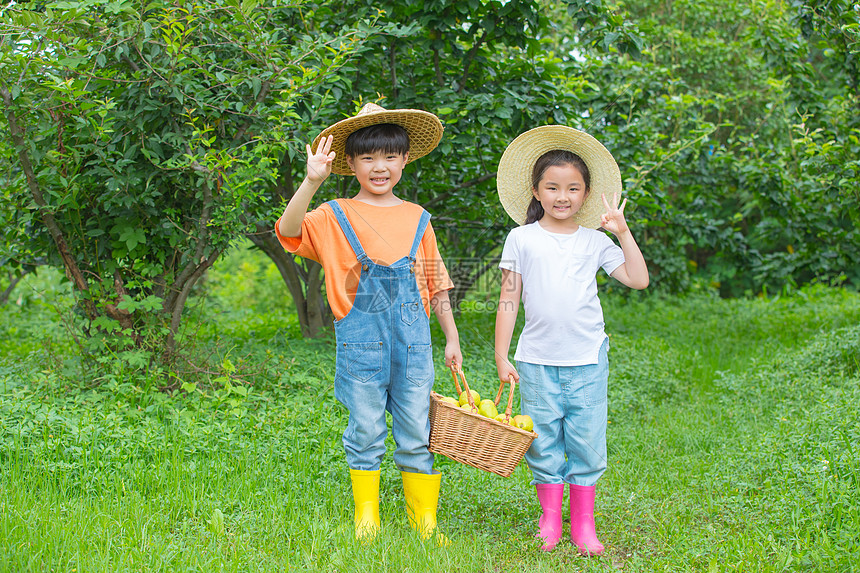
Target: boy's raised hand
613, 220
319, 163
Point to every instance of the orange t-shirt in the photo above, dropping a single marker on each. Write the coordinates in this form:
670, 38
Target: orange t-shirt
385, 233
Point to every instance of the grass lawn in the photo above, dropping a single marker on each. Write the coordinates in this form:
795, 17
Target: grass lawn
734, 445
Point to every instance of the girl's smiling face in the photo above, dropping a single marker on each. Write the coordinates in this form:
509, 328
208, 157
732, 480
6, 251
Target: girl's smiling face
561, 192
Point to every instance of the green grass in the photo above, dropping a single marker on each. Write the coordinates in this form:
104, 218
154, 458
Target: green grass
734, 442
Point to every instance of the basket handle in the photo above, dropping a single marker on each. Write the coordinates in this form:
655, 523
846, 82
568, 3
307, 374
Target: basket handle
510, 396
457, 370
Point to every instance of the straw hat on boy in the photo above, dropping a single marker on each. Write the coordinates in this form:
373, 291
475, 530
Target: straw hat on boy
424, 129
514, 178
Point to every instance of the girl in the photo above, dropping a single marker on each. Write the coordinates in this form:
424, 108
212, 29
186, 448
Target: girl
552, 180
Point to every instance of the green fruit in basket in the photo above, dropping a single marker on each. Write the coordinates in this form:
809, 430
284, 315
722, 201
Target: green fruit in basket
488, 409
464, 398
523, 422
503, 419
468, 408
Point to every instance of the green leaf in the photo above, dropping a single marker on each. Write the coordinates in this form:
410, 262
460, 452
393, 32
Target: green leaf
132, 237
72, 62
216, 522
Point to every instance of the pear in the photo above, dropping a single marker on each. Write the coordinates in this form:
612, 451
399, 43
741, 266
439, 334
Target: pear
488, 409
464, 398
523, 422
469, 408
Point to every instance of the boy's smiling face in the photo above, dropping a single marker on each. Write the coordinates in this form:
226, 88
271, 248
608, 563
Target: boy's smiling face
377, 173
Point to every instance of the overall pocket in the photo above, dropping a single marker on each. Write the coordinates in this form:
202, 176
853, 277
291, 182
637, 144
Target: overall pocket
410, 311
360, 361
419, 364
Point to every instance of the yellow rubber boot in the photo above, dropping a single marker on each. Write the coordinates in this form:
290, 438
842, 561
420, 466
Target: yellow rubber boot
365, 493
422, 499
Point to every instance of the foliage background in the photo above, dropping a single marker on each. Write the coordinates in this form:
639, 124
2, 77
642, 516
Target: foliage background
735, 126
145, 152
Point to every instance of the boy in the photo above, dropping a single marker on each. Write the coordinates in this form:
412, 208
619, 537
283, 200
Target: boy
383, 274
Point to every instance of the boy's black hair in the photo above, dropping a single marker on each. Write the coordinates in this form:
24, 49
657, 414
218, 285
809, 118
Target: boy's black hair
384, 137
554, 157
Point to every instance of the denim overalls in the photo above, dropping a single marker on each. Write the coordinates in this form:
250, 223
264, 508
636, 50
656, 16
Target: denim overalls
385, 361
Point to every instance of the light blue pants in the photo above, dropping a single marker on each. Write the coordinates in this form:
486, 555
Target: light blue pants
569, 409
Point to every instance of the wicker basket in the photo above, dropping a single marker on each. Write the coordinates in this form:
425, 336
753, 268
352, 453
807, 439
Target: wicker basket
473, 439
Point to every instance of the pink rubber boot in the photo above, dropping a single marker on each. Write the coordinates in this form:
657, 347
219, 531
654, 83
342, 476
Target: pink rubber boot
550, 496
582, 520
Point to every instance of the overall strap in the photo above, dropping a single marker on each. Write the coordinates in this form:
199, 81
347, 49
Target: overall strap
419, 234
347, 229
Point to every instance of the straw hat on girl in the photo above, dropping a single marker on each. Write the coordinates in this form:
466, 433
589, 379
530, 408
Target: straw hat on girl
514, 178
424, 129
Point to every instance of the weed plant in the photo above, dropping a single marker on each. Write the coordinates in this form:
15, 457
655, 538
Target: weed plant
733, 445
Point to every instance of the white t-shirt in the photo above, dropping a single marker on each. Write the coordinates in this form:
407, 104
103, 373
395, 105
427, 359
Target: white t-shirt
564, 320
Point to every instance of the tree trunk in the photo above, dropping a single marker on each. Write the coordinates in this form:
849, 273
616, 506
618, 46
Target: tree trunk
4, 296
312, 307
304, 284
318, 310
464, 283
73, 272
178, 302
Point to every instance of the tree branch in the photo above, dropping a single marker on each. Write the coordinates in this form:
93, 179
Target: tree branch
4, 296
443, 196
264, 93
191, 268
122, 316
392, 64
439, 79
285, 185
179, 301
130, 63
461, 287
72, 270
469, 57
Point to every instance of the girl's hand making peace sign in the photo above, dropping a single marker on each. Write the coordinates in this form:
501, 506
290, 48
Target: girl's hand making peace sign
319, 163
613, 220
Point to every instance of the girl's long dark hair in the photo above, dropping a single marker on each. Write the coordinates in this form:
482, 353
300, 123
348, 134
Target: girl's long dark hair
554, 158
